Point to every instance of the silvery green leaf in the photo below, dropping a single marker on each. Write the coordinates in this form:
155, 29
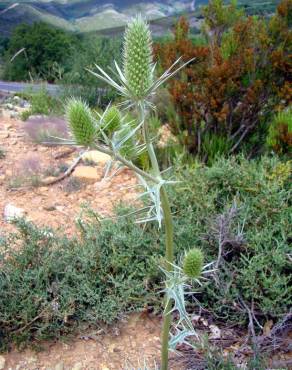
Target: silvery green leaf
180, 338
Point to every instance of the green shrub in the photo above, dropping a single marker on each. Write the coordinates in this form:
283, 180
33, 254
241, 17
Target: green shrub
44, 51
51, 284
41, 103
280, 132
254, 266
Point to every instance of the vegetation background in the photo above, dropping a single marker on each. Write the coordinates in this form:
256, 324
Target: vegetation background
225, 124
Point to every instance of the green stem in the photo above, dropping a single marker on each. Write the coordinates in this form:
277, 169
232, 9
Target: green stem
127, 163
169, 257
169, 253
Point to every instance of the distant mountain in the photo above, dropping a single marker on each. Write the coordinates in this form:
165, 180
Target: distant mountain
100, 15
88, 15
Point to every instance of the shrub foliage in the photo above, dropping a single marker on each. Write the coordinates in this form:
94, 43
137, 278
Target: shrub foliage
49, 284
234, 82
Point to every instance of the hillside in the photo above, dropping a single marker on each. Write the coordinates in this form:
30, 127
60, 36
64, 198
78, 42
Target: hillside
100, 15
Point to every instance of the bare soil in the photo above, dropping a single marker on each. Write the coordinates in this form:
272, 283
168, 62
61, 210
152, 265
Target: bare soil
129, 342
57, 205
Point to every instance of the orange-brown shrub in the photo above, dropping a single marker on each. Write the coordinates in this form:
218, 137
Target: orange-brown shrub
236, 81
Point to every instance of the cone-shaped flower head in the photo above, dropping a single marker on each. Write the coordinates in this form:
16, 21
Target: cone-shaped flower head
112, 120
193, 263
81, 122
138, 61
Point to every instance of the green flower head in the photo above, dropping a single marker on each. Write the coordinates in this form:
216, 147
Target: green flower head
193, 263
138, 60
80, 122
112, 119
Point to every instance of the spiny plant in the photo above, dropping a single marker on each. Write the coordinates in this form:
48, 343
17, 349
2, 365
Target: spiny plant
126, 140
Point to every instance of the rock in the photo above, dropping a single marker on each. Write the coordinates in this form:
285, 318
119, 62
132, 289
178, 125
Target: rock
59, 366
9, 106
49, 208
8, 173
14, 114
4, 135
2, 362
49, 179
16, 99
31, 360
11, 212
43, 189
96, 157
77, 366
87, 174
60, 209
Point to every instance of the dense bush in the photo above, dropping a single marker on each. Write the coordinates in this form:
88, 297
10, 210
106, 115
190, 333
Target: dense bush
235, 82
45, 50
280, 132
41, 103
91, 51
49, 284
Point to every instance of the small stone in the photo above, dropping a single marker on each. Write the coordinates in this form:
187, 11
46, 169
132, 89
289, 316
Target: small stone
4, 135
11, 213
2, 362
49, 208
87, 173
43, 188
31, 360
96, 157
77, 366
8, 173
14, 114
59, 366
9, 106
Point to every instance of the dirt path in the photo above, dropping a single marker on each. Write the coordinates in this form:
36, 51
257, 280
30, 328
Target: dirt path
131, 341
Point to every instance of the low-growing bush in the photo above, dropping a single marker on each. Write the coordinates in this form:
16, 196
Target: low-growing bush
41, 103
280, 132
50, 283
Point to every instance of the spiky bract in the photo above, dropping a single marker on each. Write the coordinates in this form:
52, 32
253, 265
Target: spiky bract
124, 141
81, 122
111, 120
138, 60
193, 263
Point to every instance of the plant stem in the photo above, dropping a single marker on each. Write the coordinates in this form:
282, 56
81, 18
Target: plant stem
169, 253
169, 257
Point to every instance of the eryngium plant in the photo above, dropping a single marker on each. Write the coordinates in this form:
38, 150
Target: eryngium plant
125, 141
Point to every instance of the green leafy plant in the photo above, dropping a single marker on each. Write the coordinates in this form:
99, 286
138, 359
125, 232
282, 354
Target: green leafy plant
280, 132
41, 104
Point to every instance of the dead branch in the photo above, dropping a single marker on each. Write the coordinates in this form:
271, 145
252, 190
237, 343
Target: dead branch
65, 174
64, 154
